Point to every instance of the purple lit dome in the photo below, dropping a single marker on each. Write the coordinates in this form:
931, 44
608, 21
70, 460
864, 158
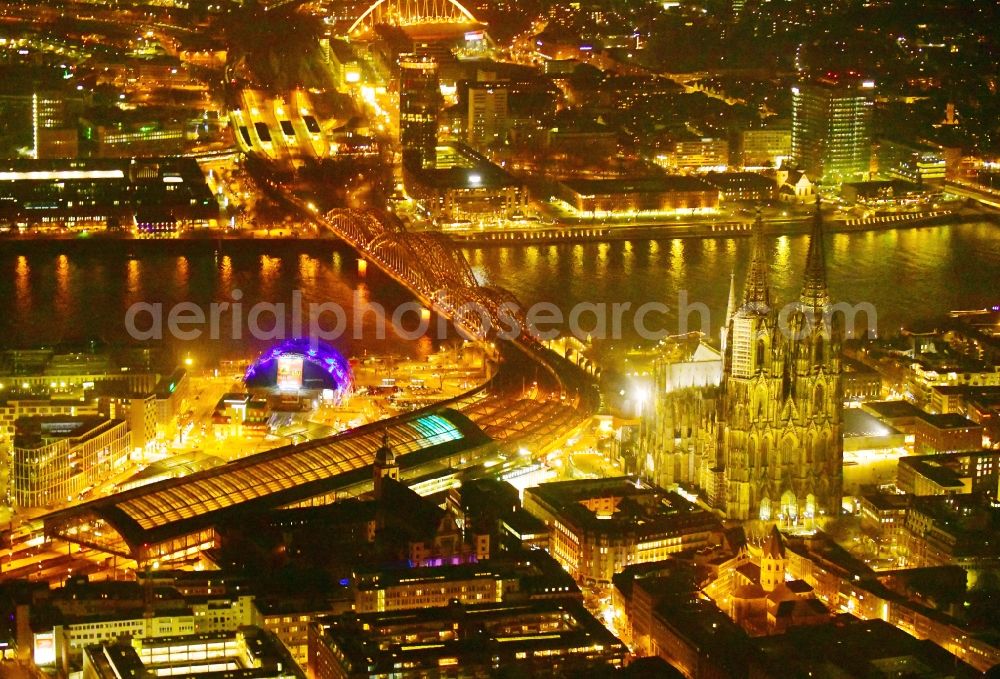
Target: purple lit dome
300, 363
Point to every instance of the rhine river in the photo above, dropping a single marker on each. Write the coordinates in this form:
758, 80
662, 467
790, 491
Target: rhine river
57, 294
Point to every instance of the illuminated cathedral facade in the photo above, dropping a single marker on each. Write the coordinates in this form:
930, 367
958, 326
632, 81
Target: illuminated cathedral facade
763, 439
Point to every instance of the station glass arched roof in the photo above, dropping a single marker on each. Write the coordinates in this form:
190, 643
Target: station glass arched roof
124, 522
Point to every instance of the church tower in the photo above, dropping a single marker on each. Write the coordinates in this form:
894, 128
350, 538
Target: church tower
753, 383
772, 561
385, 465
779, 419
816, 381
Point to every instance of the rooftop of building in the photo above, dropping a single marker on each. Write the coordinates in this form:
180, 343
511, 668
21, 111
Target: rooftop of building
668, 577
874, 186
887, 501
700, 623
568, 121
470, 635
264, 657
774, 545
892, 409
168, 383
842, 81
654, 184
851, 365
165, 170
799, 586
637, 509
955, 458
911, 144
824, 551
971, 513
739, 180
283, 476
535, 566
847, 646
181, 464
942, 476
459, 167
792, 608
38, 431
966, 389
948, 421
857, 423
346, 511
524, 523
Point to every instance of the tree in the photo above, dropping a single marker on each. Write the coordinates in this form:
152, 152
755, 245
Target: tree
275, 48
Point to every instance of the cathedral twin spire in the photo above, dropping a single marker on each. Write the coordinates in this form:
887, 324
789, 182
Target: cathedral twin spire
815, 295
779, 424
757, 291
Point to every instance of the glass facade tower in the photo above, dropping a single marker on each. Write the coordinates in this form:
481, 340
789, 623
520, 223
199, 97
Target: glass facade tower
831, 129
419, 104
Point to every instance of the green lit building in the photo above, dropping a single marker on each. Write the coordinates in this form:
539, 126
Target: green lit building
831, 129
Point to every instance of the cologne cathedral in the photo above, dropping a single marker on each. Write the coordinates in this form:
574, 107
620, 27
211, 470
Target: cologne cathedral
756, 426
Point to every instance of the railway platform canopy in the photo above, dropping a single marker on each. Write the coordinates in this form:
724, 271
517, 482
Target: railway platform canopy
177, 518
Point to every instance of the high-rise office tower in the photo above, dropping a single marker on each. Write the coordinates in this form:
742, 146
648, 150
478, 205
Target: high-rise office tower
487, 114
831, 128
419, 105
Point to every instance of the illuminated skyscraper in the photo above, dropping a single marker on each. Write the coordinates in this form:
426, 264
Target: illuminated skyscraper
487, 114
831, 129
419, 104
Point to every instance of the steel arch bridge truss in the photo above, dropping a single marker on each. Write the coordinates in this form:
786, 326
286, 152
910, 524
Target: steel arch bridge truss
411, 12
430, 265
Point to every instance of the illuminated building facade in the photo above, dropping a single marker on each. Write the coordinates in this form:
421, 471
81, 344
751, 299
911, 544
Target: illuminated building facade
87, 613
746, 186
58, 457
289, 621
487, 120
248, 651
463, 186
419, 106
946, 433
860, 382
871, 451
883, 515
14, 409
600, 526
700, 154
138, 410
951, 530
763, 439
779, 432
916, 163
654, 194
765, 147
676, 430
831, 129
974, 471
43, 121
103, 192
516, 577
